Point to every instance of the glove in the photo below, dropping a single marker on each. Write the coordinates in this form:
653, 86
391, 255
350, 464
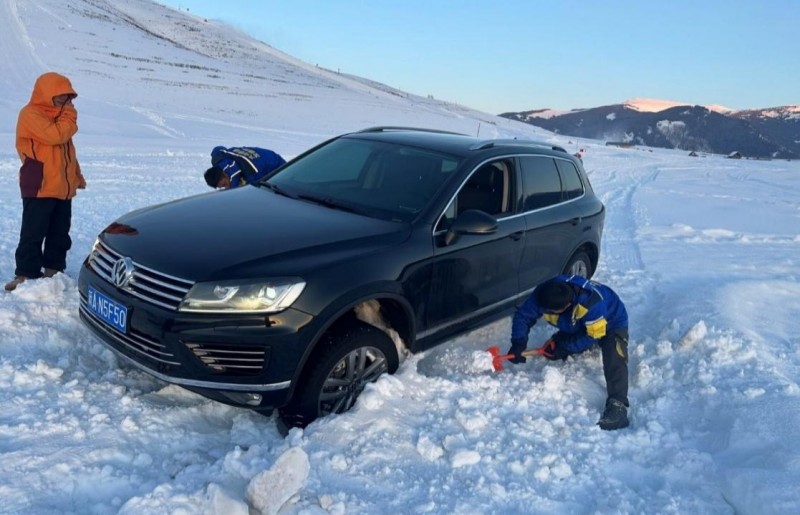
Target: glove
518, 346
554, 351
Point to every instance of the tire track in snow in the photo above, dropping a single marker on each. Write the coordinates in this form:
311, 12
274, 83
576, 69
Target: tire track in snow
621, 263
623, 267
620, 250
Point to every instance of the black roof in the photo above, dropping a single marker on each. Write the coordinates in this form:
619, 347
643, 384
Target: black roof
451, 142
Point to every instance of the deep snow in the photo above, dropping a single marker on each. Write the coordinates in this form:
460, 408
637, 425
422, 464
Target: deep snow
702, 250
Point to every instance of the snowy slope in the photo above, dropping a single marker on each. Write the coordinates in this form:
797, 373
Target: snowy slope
702, 250
171, 75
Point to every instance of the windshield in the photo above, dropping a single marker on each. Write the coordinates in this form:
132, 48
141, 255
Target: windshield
377, 179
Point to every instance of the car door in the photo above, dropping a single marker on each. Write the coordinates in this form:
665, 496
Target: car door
550, 222
477, 273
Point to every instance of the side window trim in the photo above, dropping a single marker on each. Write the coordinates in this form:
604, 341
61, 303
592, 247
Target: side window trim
516, 176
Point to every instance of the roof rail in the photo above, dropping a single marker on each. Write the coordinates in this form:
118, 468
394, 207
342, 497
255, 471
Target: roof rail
525, 143
384, 128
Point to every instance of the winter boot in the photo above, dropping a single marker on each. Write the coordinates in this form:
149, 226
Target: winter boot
50, 272
16, 281
615, 416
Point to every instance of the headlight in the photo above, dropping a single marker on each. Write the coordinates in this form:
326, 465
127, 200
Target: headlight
260, 296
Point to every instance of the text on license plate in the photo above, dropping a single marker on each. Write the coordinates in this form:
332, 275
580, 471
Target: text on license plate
109, 311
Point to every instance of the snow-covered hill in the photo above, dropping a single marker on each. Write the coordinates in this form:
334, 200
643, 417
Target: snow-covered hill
169, 74
702, 250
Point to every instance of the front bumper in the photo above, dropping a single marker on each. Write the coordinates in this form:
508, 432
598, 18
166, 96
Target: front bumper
242, 360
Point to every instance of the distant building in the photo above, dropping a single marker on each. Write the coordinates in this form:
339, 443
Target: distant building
735, 155
693, 153
621, 144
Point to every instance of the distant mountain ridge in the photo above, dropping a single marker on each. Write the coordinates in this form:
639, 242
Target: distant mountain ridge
761, 133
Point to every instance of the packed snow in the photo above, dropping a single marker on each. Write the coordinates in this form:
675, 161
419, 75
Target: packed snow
703, 250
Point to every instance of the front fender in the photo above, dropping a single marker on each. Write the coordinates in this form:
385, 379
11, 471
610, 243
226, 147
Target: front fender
342, 310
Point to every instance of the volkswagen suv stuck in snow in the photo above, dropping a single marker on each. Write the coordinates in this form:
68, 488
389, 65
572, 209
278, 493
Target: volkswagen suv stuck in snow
256, 296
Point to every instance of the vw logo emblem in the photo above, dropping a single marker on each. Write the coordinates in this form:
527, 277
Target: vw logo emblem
122, 272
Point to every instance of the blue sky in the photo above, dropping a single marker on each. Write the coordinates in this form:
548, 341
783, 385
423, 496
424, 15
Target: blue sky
508, 55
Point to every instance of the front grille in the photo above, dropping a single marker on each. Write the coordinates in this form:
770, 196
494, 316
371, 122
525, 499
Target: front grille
234, 359
145, 283
134, 341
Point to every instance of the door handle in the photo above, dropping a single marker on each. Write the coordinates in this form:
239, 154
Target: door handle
516, 236
575, 221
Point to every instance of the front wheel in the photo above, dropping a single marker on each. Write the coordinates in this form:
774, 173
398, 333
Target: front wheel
579, 264
339, 372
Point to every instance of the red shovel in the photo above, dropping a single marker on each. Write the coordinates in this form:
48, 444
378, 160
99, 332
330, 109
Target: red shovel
497, 358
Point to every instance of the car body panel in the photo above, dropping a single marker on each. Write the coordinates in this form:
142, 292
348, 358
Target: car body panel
230, 233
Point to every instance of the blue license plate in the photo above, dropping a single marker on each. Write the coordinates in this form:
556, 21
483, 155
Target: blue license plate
108, 310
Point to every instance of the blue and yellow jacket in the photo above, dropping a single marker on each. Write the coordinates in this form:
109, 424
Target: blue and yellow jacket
595, 312
245, 165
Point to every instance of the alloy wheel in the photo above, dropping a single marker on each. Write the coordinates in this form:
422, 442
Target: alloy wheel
348, 377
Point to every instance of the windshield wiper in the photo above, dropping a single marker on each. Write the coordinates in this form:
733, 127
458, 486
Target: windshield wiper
329, 202
277, 189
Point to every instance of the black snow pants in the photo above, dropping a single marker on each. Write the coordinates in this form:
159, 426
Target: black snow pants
615, 364
44, 237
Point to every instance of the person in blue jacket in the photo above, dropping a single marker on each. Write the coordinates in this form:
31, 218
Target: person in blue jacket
585, 313
237, 166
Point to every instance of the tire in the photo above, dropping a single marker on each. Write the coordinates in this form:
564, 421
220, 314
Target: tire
579, 264
337, 374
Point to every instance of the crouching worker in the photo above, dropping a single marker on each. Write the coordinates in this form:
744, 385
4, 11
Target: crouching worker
585, 313
237, 166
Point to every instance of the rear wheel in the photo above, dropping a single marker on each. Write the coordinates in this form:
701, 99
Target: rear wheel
579, 264
338, 373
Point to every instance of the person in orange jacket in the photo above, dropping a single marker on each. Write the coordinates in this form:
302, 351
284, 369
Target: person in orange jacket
48, 179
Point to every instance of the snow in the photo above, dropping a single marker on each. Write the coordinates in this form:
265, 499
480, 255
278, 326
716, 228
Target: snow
545, 113
787, 112
702, 251
672, 130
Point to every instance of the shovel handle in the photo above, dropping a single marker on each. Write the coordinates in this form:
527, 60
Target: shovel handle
528, 353
497, 360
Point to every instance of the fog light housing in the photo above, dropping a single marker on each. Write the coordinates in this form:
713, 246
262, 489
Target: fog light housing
243, 398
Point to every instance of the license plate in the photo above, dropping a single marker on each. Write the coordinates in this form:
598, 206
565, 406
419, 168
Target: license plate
108, 310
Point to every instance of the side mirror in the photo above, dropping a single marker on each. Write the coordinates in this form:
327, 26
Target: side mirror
471, 221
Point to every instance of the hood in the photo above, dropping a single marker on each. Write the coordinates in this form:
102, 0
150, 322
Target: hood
246, 232
47, 86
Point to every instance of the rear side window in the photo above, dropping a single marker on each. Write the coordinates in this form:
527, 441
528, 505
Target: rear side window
541, 183
573, 187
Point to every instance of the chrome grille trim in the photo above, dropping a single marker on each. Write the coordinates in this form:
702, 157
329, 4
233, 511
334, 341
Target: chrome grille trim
136, 284
163, 290
220, 358
167, 286
137, 343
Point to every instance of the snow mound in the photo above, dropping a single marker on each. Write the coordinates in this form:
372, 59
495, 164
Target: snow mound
271, 489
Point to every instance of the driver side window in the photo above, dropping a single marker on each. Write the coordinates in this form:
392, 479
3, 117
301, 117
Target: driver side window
488, 189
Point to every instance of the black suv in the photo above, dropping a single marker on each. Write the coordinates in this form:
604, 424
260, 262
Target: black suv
295, 292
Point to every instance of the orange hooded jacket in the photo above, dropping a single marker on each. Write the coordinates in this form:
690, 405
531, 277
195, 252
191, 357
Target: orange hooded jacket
44, 142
